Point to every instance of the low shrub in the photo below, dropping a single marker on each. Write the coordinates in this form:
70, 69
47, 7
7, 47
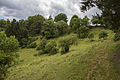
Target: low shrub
83, 32
66, 42
103, 35
91, 36
32, 45
51, 47
117, 36
42, 44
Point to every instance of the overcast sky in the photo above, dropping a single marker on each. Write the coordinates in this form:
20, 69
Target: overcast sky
21, 9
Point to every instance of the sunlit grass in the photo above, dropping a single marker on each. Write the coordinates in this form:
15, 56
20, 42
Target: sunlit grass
75, 65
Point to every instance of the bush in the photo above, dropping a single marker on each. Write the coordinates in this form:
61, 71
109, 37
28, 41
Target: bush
24, 42
42, 44
8, 44
41, 52
103, 35
91, 36
32, 45
117, 36
51, 47
65, 43
83, 32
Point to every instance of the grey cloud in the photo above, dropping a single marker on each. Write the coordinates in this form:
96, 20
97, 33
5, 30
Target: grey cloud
21, 9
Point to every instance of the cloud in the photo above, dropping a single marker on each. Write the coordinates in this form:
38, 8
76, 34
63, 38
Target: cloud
21, 9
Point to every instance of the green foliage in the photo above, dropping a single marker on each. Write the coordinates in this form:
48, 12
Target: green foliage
50, 47
60, 17
83, 32
7, 47
49, 30
17, 29
117, 36
91, 36
32, 45
5, 63
34, 24
75, 23
65, 43
42, 44
62, 27
8, 44
85, 21
109, 9
103, 35
3, 23
47, 47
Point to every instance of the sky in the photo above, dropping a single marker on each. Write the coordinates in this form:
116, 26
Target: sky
21, 9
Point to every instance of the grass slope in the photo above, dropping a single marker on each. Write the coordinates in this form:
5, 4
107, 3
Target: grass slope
85, 61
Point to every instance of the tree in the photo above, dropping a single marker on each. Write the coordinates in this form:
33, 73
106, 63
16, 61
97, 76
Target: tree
110, 11
74, 16
62, 27
17, 29
3, 24
60, 17
34, 24
75, 23
85, 21
83, 32
49, 30
7, 48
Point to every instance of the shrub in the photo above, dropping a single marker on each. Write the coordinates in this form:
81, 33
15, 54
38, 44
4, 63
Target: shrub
117, 36
8, 44
41, 52
103, 35
32, 45
24, 42
51, 47
42, 44
65, 44
91, 36
83, 32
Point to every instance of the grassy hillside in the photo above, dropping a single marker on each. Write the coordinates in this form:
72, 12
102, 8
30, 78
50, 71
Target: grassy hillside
85, 61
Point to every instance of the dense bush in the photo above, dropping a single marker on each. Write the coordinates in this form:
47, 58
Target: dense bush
5, 63
51, 47
103, 35
32, 45
91, 36
47, 47
8, 44
66, 42
83, 32
7, 47
42, 44
117, 36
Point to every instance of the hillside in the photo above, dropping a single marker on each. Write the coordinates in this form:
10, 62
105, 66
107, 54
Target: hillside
85, 61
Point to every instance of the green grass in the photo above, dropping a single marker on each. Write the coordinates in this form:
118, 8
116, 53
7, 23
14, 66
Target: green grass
85, 61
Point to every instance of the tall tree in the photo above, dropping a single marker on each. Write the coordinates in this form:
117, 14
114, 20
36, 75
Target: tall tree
35, 24
3, 24
85, 21
60, 17
110, 11
62, 27
49, 30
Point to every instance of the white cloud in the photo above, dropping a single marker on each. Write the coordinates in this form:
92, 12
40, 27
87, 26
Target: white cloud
21, 9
